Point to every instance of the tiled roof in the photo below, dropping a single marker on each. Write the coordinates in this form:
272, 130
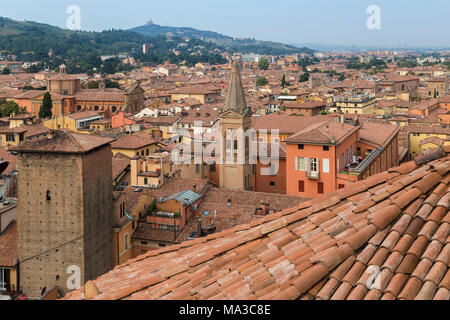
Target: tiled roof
63, 141
323, 133
8, 246
119, 163
396, 222
133, 141
12, 161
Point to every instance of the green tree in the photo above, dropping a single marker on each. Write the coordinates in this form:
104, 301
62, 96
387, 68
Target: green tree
93, 84
261, 81
45, 110
6, 70
304, 77
283, 81
111, 84
263, 64
341, 77
10, 108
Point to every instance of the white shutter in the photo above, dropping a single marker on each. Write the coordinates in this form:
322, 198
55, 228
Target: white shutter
296, 164
326, 165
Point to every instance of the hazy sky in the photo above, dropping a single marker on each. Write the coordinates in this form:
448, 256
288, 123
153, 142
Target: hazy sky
343, 22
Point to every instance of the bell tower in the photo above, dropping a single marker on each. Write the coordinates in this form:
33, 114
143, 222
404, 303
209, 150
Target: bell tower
236, 172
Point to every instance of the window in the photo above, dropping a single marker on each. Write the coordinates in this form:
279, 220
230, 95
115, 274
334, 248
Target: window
320, 188
122, 209
197, 168
314, 165
48, 196
10, 137
272, 183
341, 186
2, 280
299, 164
213, 167
326, 165
145, 181
113, 108
301, 146
301, 186
326, 148
96, 108
127, 240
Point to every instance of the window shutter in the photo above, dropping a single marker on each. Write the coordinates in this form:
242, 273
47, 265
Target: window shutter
296, 164
326, 165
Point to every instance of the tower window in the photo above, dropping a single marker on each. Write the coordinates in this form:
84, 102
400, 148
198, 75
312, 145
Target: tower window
48, 196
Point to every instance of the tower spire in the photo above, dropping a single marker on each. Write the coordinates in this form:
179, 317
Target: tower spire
235, 97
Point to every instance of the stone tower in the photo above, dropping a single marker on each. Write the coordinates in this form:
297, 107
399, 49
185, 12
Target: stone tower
235, 120
65, 220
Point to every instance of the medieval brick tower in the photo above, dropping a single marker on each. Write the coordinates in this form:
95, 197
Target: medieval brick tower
235, 120
65, 220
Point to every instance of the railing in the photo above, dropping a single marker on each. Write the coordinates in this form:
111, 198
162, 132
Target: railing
313, 175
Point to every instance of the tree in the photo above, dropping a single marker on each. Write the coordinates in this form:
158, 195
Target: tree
341, 77
45, 110
304, 77
10, 108
263, 64
111, 84
261, 81
93, 85
6, 70
283, 81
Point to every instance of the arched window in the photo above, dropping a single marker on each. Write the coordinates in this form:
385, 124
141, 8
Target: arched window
114, 108
96, 108
78, 108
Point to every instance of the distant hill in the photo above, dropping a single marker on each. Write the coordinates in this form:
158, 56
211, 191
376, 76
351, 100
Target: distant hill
32, 41
228, 43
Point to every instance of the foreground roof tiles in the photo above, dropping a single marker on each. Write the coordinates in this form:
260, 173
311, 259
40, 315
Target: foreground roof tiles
383, 238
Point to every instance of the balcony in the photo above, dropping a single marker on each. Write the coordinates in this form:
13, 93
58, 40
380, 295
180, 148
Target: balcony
314, 175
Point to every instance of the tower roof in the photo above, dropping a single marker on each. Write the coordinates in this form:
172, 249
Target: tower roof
235, 98
63, 141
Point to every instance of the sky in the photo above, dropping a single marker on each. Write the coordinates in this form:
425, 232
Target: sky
414, 23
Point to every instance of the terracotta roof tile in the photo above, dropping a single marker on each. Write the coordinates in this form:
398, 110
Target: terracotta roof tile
408, 264
422, 269
404, 244
410, 290
427, 291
